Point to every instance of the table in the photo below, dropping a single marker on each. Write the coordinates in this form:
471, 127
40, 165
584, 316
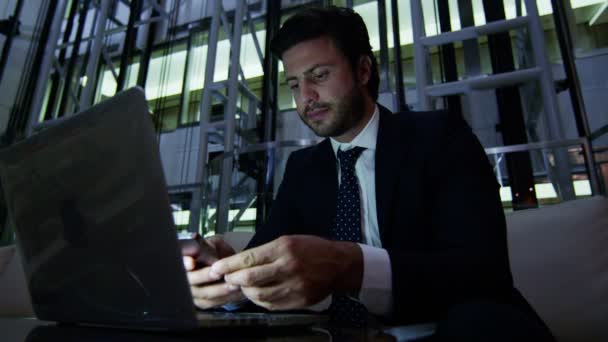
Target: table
33, 330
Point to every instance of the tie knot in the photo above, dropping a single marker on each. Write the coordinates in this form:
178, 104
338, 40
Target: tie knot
348, 158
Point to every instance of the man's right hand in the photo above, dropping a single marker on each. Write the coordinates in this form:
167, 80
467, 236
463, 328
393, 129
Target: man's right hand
208, 290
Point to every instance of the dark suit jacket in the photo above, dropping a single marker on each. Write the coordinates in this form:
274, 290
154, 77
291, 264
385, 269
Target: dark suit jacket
439, 212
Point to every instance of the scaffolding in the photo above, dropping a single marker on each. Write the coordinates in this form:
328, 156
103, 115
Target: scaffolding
233, 139
218, 186
542, 72
225, 136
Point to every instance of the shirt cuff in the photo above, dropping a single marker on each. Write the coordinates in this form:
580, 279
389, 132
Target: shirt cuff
322, 305
377, 287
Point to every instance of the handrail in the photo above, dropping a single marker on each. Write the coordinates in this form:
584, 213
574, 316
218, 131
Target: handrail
535, 146
584, 142
599, 132
475, 32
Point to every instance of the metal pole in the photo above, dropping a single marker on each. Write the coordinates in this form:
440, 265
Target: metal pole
420, 56
144, 61
384, 60
223, 206
594, 179
205, 114
567, 49
399, 88
566, 44
129, 44
471, 50
184, 108
267, 132
96, 48
185, 98
448, 58
67, 85
56, 75
14, 19
46, 65
510, 112
18, 118
564, 181
254, 36
85, 59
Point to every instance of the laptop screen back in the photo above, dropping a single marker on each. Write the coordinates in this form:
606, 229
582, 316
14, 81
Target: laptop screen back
88, 201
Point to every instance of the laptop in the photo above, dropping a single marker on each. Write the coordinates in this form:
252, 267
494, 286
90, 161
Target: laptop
88, 201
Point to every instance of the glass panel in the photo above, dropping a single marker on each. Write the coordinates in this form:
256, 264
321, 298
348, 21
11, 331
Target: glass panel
164, 84
249, 62
166, 71
180, 205
106, 84
196, 77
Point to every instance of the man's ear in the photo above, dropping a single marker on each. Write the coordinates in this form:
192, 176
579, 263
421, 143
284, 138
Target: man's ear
364, 70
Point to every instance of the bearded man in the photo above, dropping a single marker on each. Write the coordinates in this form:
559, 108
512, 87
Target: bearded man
394, 216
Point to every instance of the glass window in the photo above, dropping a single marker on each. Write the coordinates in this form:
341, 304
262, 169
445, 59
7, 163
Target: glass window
106, 84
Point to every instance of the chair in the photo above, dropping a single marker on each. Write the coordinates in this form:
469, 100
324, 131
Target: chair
559, 260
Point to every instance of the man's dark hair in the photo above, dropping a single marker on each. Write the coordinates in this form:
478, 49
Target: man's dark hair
345, 28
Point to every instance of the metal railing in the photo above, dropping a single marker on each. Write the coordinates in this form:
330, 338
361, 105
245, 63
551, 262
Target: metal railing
584, 142
593, 175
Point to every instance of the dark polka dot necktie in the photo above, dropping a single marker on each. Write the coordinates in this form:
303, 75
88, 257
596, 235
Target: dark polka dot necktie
347, 227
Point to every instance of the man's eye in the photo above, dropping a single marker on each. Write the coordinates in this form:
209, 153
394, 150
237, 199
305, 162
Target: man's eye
322, 76
293, 86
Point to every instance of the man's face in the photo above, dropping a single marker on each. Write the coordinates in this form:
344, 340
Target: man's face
328, 98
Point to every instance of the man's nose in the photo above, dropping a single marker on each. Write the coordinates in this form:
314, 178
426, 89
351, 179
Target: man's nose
308, 92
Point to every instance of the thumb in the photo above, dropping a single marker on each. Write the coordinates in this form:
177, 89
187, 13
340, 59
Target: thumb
189, 263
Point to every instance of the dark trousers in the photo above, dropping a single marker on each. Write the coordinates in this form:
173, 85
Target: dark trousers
490, 321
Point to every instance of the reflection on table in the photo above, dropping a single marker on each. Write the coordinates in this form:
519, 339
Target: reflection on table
32, 330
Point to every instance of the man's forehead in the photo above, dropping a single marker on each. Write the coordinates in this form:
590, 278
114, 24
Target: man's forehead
308, 55
305, 71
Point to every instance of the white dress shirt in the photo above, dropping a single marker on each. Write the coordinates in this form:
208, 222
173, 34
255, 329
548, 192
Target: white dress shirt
376, 287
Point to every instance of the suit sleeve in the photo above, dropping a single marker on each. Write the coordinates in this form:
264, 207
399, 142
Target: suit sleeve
283, 213
466, 257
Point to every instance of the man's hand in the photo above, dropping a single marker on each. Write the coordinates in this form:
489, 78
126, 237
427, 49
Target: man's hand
208, 291
293, 272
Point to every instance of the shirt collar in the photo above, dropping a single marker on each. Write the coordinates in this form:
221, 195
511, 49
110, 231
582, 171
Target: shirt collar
366, 138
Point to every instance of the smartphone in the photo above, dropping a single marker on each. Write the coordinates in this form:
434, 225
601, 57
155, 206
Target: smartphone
192, 244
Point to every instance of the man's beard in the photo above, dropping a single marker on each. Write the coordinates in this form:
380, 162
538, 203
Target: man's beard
343, 114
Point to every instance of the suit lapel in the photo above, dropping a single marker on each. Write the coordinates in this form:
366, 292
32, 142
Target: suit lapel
327, 184
389, 155
389, 160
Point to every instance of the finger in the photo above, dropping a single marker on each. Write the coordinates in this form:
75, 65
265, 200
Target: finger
275, 297
213, 291
219, 301
202, 276
189, 263
252, 257
254, 276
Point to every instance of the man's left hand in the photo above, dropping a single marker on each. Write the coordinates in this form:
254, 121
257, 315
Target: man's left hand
294, 272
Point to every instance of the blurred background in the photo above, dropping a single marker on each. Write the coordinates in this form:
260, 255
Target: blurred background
530, 77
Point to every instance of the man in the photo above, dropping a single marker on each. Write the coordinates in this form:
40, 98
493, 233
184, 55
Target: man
399, 214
